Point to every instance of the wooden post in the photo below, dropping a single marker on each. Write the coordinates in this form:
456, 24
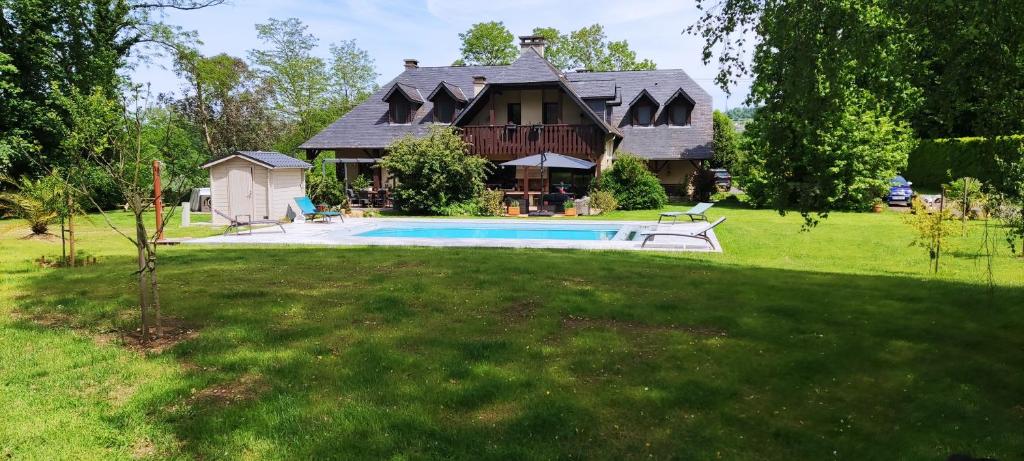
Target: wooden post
158, 201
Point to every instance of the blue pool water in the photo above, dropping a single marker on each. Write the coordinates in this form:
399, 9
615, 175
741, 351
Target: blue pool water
485, 232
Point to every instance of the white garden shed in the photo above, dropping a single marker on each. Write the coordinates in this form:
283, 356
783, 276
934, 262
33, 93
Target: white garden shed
260, 185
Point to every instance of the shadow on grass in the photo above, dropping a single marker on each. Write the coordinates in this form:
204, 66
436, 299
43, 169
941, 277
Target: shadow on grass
371, 353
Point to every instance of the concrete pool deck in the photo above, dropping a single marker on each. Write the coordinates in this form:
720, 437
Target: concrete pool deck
343, 234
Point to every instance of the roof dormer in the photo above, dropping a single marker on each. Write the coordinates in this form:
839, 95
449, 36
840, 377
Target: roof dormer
642, 109
448, 99
678, 108
403, 101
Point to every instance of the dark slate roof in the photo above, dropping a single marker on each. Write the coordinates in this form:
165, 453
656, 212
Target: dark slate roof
595, 89
411, 93
267, 159
661, 142
366, 126
452, 90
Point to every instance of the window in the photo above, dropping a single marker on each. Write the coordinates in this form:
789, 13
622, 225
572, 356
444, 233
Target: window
515, 113
680, 115
400, 110
444, 110
599, 108
643, 114
552, 113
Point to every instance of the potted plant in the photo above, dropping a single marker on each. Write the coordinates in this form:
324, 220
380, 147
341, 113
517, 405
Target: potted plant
570, 207
513, 207
877, 205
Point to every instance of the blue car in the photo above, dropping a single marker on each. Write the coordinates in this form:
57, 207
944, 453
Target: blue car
899, 191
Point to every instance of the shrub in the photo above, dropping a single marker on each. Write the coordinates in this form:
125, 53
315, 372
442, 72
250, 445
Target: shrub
40, 202
468, 208
633, 185
604, 201
491, 202
934, 162
436, 173
324, 188
966, 194
362, 182
703, 184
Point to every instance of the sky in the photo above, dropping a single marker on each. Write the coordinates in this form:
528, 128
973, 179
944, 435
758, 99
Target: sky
427, 30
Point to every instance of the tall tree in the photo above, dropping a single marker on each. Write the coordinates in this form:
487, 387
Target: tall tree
297, 78
353, 73
726, 142
488, 44
226, 101
62, 44
589, 48
830, 76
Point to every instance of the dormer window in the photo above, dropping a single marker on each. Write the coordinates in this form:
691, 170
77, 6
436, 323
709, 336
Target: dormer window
447, 99
444, 110
401, 111
680, 107
642, 109
679, 115
643, 115
403, 101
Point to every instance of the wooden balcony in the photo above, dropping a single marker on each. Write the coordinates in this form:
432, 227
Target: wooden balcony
512, 141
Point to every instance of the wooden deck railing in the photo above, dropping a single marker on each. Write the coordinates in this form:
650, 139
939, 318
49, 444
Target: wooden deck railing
514, 141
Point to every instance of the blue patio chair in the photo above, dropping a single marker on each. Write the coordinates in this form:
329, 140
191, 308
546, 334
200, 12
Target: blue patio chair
696, 213
310, 212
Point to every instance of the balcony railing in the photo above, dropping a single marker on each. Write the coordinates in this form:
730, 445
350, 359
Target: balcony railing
517, 140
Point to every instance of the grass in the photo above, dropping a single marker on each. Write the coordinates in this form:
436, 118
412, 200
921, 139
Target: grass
835, 343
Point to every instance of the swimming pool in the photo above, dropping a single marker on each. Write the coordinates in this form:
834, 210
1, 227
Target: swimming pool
524, 231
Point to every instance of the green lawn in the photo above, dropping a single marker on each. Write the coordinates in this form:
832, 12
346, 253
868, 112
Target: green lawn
829, 344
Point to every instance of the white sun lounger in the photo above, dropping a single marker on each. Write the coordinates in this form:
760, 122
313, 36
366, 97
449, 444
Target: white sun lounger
699, 234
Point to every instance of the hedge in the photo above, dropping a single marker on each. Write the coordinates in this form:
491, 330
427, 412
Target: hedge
938, 161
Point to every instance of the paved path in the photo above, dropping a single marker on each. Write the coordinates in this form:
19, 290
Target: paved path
345, 234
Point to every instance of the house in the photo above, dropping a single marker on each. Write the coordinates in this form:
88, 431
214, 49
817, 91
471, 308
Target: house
257, 185
528, 107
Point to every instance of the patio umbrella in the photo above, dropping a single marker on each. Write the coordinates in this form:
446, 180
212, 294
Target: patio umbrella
547, 160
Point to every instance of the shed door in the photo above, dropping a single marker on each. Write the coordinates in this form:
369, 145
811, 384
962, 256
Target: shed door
240, 191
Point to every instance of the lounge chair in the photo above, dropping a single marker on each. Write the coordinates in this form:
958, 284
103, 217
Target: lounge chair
699, 234
696, 213
238, 221
310, 212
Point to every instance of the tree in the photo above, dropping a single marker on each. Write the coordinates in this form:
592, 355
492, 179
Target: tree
352, 71
588, 48
488, 44
435, 172
55, 45
226, 102
831, 79
298, 80
633, 184
726, 142
840, 161
109, 138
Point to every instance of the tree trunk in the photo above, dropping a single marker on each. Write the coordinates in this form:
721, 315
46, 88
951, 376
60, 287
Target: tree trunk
155, 295
71, 237
140, 242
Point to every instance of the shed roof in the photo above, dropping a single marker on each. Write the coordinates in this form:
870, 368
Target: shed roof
272, 160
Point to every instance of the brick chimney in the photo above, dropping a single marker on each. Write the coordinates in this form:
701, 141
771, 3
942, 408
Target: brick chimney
411, 63
536, 42
478, 84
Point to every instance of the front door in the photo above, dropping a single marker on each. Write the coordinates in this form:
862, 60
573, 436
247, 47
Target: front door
240, 191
